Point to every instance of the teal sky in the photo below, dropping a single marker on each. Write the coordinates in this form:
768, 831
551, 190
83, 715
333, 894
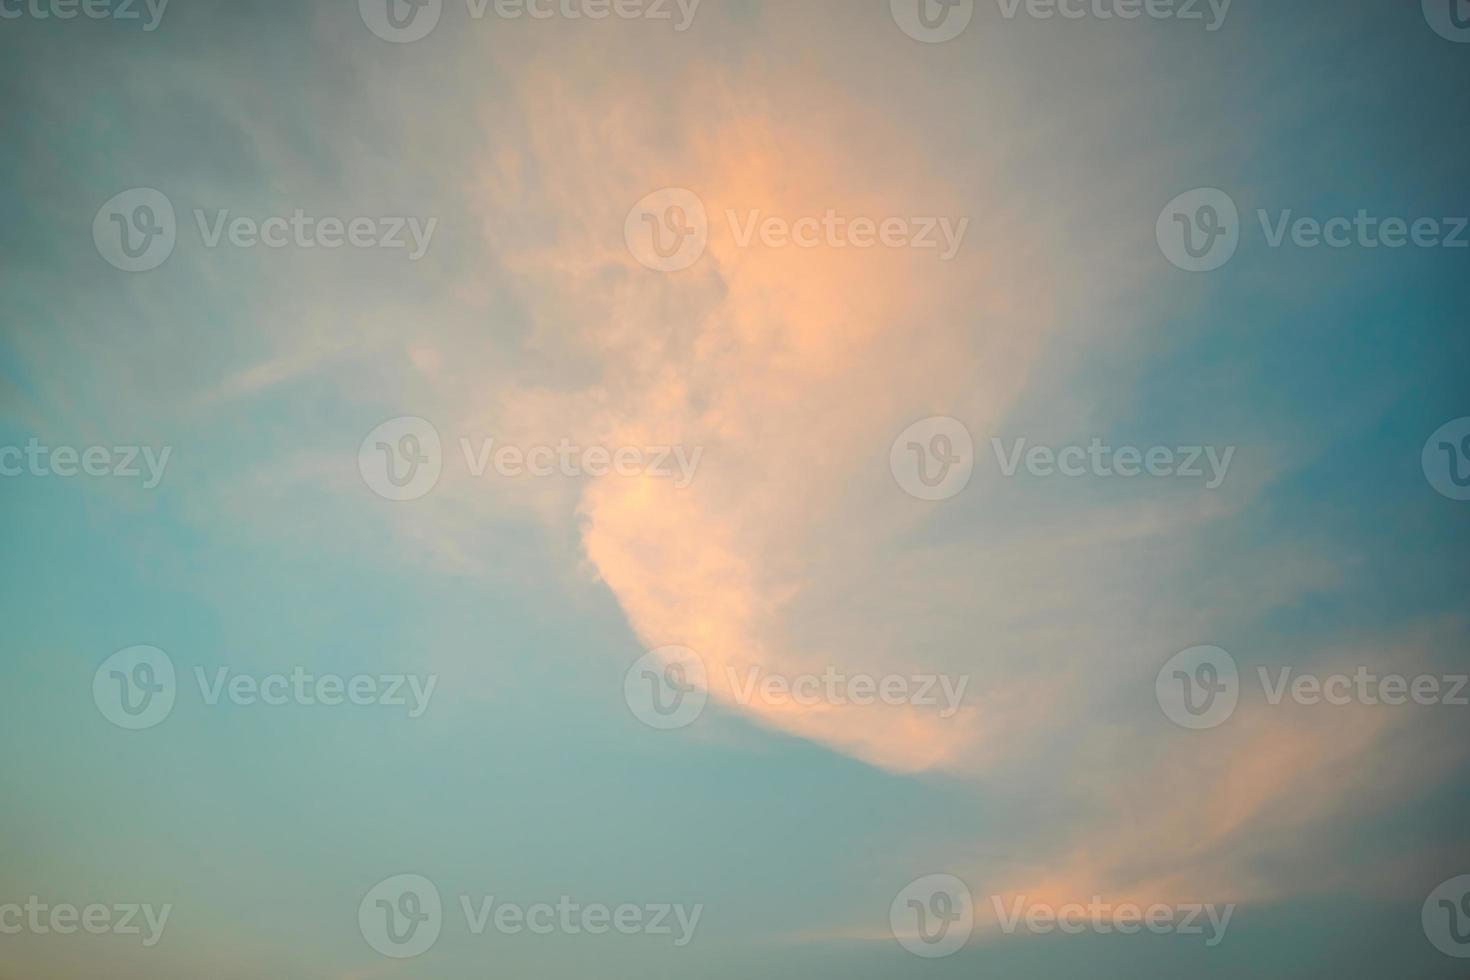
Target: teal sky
529, 319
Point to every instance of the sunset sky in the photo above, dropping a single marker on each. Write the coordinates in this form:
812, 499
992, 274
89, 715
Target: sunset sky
518, 150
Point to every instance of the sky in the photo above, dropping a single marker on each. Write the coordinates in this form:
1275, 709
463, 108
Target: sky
676, 459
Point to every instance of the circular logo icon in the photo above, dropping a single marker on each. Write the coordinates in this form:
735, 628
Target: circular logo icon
400, 21
667, 231
1199, 687
1449, 18
1446, 917
667, 688
932, 21
135, 688
401, 459
1446, 459
1199, 230
401, 916
136, 231
933, 916
933, 458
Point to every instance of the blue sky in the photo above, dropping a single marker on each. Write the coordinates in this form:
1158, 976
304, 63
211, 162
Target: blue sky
531, 319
